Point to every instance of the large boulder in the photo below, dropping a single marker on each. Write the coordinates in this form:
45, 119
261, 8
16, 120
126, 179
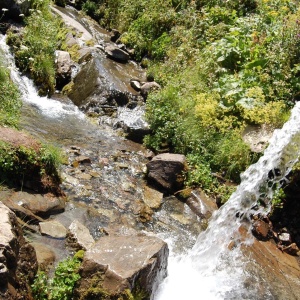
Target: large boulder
15, 8
18, 262
165, 170
119, 266
94, 89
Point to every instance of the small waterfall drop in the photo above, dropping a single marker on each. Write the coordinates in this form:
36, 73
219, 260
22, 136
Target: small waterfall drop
48, 107
215, 267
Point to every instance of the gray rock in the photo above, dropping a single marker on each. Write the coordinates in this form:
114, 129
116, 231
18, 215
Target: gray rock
119, 263
133, 123
165, 170
148, 87
18, 262
94, 87
63, 68
116, 53
53, 228
79, 237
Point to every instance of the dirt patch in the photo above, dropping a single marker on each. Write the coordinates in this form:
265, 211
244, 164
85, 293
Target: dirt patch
18, 138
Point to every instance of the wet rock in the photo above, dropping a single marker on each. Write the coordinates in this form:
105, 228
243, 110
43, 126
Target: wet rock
285, 238
116, 53
18, 263
152, 198
79, 237
70, 179
115, 34
279, 271
15, 8
94, 88
84, 176
165, 170
261, 229
53, 228
45, 256
85, 54
257, 136
42, 205
148, 87
135, 84
133, 123
119, 263
201, 205
63, 68
291, 249
82, 159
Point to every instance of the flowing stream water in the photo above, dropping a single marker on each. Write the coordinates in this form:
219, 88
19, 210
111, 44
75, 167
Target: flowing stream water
211, 269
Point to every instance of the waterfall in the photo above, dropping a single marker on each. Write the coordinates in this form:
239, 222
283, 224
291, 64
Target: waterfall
213, 269
48, 107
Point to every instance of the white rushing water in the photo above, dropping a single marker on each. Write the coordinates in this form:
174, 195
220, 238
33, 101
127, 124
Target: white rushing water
47, 106
210, 270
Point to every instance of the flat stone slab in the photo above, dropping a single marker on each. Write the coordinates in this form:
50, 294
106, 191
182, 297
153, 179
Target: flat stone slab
53, 228
118, 263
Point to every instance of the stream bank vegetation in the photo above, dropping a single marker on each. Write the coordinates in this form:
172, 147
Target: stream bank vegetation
61, 286
223, 65
10, 100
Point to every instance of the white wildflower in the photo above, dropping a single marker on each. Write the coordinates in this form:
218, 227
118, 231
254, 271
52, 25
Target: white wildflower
4, 9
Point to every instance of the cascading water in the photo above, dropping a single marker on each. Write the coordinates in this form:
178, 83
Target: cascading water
49, 107
213, 269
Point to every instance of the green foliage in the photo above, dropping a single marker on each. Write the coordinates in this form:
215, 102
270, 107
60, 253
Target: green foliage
17, 163
278, 198
60, 287
223, 65
10, 100
33, 52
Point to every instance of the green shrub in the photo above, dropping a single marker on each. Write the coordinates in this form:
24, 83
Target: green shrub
61, 286
33, 52
22, 163
10, 99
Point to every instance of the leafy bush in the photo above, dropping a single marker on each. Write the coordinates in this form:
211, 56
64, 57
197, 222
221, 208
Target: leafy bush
33, 52
10, 100
22, 163
60, 287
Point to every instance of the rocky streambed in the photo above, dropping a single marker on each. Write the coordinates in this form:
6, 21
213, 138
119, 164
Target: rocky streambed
116, 199
105, 204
